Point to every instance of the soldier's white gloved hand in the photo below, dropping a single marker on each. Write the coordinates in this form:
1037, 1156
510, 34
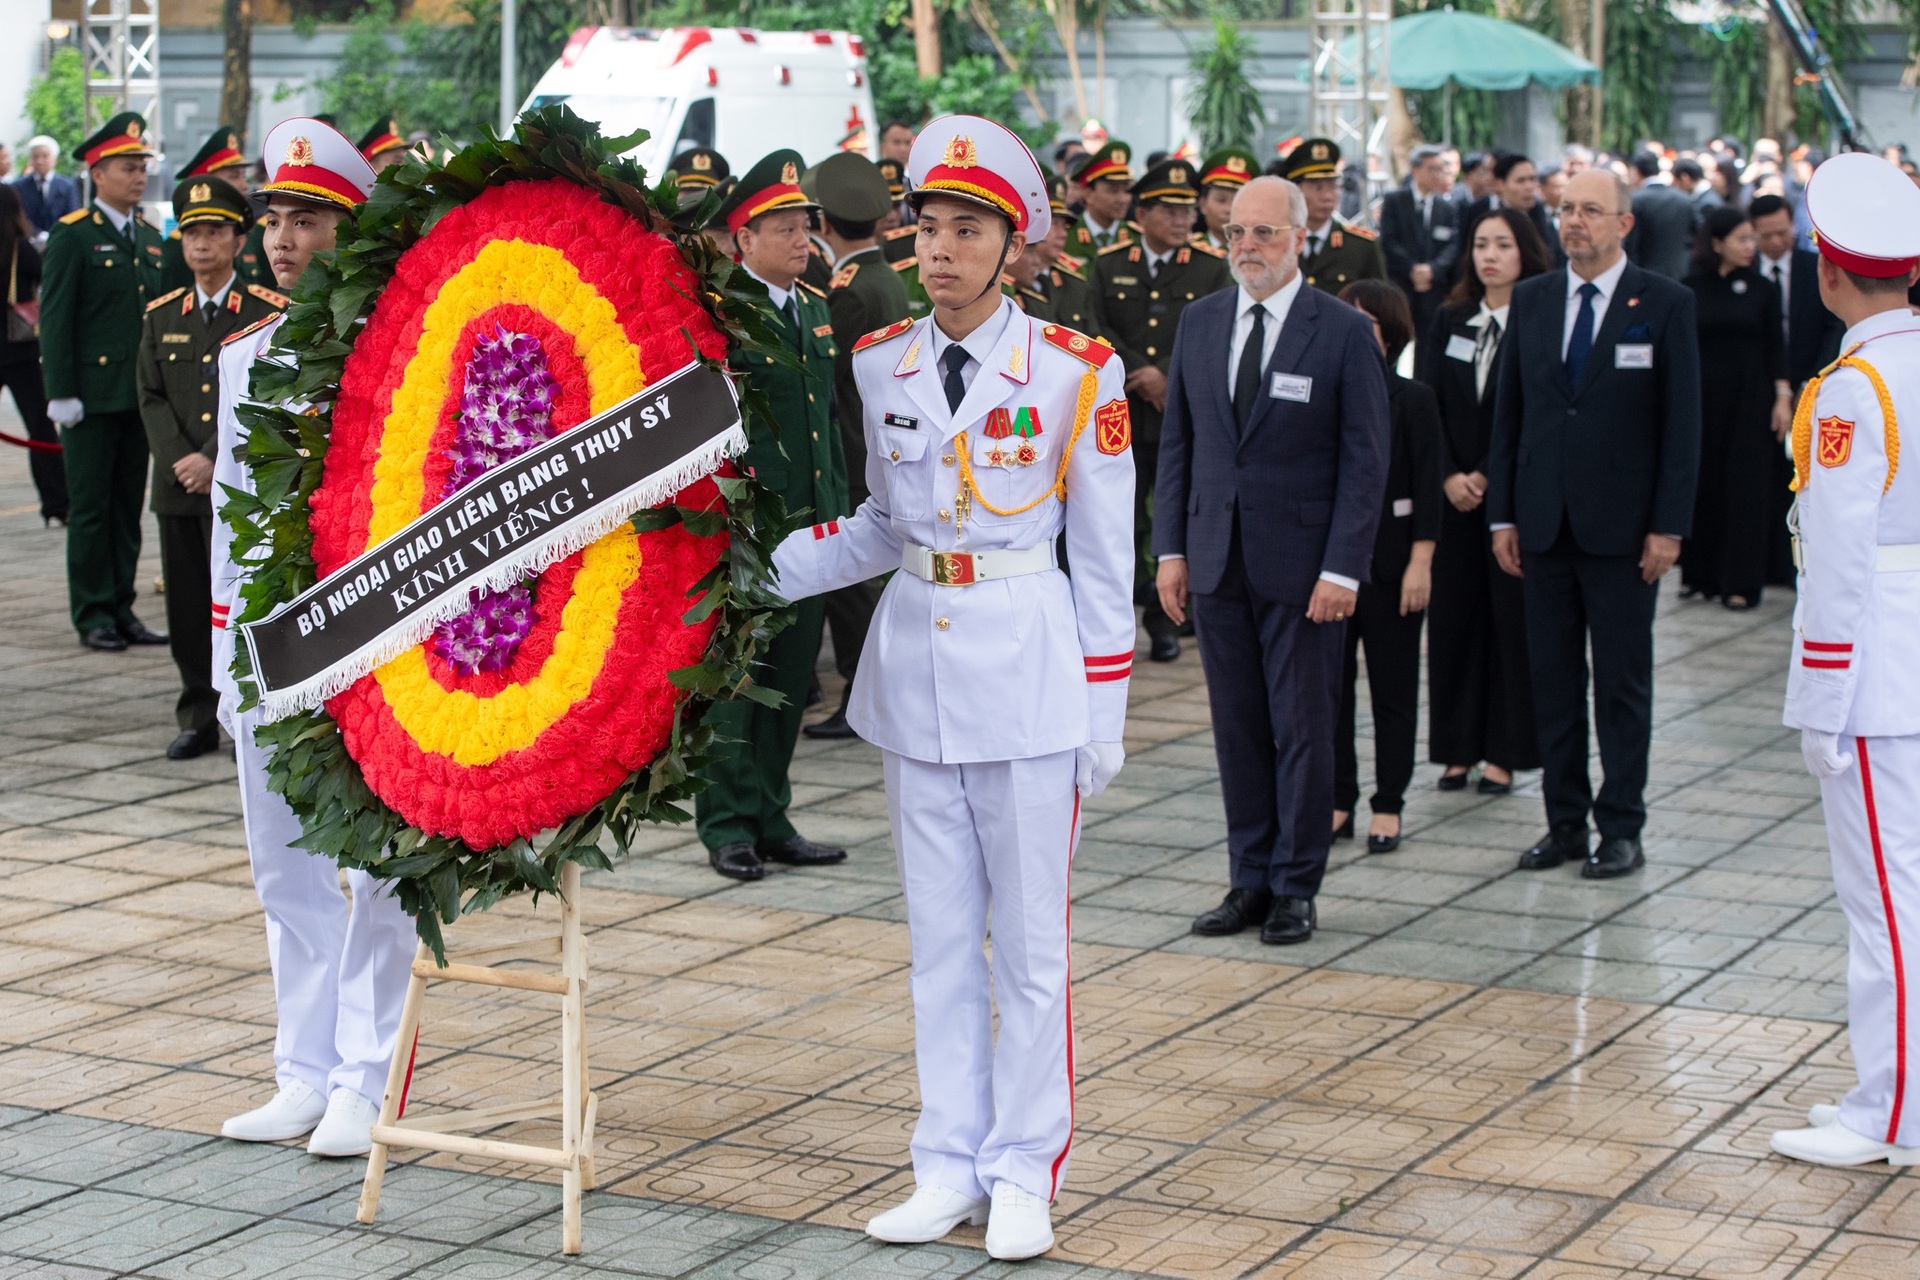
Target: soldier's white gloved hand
67, 412
1823, 754
1096, 765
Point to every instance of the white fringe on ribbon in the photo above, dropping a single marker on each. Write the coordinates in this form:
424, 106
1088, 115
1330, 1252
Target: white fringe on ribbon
551, 547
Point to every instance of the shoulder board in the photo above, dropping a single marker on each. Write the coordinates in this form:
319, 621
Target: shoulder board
1207, 247
815, 290
165, 298
268, 296
241, 333
897, 232
844, 276
1093, 350
906, 264
1116, 248
174, 234
1135, 227
1362, 232
1067, 267
68, 219
878, 336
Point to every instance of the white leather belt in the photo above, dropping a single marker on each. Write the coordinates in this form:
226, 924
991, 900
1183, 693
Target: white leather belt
964, 568
1897, 557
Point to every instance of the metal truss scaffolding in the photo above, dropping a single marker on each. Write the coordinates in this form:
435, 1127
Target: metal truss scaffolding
120, 45
1347, 95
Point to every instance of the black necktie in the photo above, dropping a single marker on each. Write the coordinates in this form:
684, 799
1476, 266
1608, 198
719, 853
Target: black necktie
1246, 378
209, 310
791, 310
955, 359
1580, 343
1780, 285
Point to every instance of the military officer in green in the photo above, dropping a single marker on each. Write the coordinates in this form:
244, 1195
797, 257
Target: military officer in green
219, 157
1053, 285
1335, 253
384, 145
178, 375
1140, 289
1222, 174
102, 264
1108, 181
742, 814
862, 295
896, 175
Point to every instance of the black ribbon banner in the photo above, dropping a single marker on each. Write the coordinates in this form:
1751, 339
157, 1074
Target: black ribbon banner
507, 525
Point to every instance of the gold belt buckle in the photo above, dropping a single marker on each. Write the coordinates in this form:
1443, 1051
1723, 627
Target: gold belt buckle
952, 568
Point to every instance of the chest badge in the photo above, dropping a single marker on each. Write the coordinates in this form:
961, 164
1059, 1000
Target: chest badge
901, 422
1836, 442
1012, 434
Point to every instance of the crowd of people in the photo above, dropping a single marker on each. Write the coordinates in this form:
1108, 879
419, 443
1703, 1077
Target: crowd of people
1206, 355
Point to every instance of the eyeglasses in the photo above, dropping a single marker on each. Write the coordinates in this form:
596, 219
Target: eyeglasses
1588, 212
1262, 236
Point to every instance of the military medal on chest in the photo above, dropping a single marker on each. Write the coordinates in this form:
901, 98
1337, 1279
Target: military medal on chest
1012, 433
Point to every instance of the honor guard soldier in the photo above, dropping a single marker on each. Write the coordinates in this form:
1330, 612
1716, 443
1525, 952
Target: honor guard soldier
1222, 174
338, 978
1108, 182
1853, 685
179, 400
1139, 290
1337, 253
218, 157
102, 266
862, 296
384, 145
742, 813
994, 685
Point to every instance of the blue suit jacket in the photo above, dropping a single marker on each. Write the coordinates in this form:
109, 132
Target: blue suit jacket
1306, 479
63, 197
1617, 457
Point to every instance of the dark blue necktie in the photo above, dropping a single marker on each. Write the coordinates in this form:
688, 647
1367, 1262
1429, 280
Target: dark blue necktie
955, 360
1580, 345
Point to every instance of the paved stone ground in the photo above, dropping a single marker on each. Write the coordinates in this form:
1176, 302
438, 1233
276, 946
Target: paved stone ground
1469, 1072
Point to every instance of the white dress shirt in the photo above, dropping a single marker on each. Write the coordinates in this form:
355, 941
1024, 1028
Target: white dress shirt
118, 219
1607, 281
978, 345
200, 299
1155, 261
774, 291
1780, 271
1096, 229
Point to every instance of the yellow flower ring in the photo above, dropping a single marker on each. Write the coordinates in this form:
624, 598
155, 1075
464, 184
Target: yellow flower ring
585, 700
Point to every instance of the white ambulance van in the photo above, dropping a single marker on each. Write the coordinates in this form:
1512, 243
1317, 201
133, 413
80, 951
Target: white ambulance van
742, 92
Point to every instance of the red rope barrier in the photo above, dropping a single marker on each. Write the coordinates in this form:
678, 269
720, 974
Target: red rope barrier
41, 445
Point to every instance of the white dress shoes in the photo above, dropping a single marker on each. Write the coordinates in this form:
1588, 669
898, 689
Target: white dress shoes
1021, 1225
1822, 1114
347, 1128
292, 1114
1836, 1145
927, 1215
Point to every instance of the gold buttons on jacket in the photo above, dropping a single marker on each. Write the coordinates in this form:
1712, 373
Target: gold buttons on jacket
895, 455
103, 359
941, 623
207, 358
206, 417
1153, 324
1152, 352
948, 458
205, 387
945, 515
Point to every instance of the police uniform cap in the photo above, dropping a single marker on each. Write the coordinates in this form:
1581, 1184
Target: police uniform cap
1865, 215
207, 199
896, 175
1169, 182
700, 169
851, 188
383, 137
1228, 167
124, 135
1313, 158
972, 158
1057, 198
1110, 161
771, 185
219, 151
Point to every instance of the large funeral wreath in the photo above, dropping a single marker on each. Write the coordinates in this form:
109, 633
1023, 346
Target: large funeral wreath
473, 309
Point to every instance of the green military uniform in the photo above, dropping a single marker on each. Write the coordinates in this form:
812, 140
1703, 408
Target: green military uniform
1063, 295
93, 290
745, 802
220, 157
897, 245
178, 374
1340, 252
1109, 163
1139, 308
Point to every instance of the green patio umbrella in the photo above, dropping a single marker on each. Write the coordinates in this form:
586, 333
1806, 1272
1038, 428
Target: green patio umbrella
1443, 47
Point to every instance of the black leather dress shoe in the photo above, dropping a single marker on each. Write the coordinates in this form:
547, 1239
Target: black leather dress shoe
1239, 910
1488, 787
1562, 844
798, 851
1382, 844
1186, 628
834, 726
1616, 856
138, 632
1290, 921
193, 742
1164, 648
1451, 782
737, 862
105, 639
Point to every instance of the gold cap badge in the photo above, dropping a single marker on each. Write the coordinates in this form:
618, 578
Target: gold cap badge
1319, 151
299, 152
790, 175
961, 153
1236, 165
1120, 155
1176, 174
700, 162
200, 193
133, 128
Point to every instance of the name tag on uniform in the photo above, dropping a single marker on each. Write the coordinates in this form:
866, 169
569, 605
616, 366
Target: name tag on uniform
1633, 355
1403, 506
1291, 386
1461, 347
1441, 233
902, 422
176, 337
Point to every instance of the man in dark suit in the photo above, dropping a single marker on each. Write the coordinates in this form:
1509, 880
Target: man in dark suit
1516, 184
1273, 464
1420, 235
45, 195
1663, 221
1590, 485
1813, 341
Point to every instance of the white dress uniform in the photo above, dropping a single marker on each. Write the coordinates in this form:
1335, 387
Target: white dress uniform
339, 977
1855, 672
985, 673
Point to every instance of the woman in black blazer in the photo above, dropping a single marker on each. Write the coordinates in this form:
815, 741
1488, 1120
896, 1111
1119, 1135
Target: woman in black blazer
20, 361
1392, 604
1746, 412
1480, 696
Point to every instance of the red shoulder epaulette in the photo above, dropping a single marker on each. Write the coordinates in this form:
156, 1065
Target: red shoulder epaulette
165, 298
268, 296
1068, 266
893, 330
813, 289
1093, 350
911, 229
241, 333
844, 276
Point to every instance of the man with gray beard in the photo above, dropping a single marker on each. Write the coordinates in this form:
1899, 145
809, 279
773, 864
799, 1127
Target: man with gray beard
1273, 463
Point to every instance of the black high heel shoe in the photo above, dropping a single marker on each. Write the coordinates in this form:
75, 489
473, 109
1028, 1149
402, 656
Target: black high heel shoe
1345, 830
1452, 781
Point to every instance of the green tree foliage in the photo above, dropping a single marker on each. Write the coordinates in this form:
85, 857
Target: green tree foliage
1637, 94
1845, 41
1735, 54
976, 85
1223, 104
56, 103
467, 56
378, 73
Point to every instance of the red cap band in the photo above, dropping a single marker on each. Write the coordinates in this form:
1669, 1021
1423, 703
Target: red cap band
767, 200
1860, 265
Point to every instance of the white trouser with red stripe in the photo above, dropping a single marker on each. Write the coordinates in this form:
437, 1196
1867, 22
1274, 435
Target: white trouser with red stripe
975, 840
1873, 826
338, 978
